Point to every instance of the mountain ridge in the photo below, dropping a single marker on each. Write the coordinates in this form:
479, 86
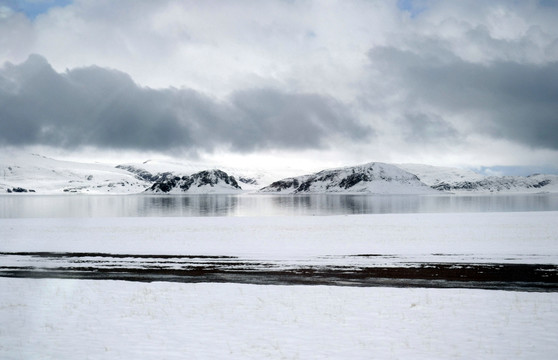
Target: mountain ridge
375, 177
36, 174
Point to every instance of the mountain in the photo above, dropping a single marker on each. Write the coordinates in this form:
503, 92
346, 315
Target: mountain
32, 173
433, 175
532, 183
208, 181
151, 170
20, 173
466, 181
372, 178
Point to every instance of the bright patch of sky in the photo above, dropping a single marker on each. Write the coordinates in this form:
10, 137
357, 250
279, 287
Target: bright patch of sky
32, 8
516, 170
413, 7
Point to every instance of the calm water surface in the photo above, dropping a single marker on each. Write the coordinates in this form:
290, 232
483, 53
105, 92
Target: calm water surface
43, 206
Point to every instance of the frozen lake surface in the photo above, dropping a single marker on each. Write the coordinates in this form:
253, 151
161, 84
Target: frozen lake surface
70, 318
65, 206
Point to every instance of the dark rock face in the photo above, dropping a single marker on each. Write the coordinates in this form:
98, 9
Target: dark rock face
167, 182
284, 184
19, 190
247, 180
141, 174
494, 184
353, 179
540, 184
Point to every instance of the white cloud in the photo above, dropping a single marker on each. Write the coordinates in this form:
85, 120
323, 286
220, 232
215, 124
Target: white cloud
220, 48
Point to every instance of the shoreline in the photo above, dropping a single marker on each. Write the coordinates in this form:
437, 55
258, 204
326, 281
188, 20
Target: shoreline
230, 269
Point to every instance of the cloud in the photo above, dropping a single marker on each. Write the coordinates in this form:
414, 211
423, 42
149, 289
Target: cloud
418, 127
105, 108
402, 80
503, 99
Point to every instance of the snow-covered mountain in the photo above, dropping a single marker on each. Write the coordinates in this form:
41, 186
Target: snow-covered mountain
151, 170
203, 182
375, 178
21, 172
455, 180
31, 173
522, 184
434, 175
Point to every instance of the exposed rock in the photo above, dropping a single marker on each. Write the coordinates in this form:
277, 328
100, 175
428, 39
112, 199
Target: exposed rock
141, 174
247, 180
19, 190
496, 184
199, 182
369, 178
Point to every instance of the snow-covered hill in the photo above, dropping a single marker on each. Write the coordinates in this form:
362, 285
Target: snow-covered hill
248, 179
203, 182
434, 175
507, 184
456, 180
20, 172
31, 173
374, 178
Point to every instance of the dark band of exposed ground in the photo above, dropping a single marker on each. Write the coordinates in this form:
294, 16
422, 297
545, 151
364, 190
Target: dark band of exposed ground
223, 269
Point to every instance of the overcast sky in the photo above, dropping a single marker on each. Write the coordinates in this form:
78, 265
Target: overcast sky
314, 83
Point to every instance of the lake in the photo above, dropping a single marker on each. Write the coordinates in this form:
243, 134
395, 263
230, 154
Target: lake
62, 206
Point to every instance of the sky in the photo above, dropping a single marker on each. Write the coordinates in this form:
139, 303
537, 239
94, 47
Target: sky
310, 84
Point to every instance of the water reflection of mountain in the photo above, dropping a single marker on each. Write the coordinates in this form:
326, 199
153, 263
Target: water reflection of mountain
43, 206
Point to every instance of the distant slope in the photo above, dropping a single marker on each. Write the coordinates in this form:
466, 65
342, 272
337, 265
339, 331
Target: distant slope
466, 181
504, 184
20, 172
372, 178
434, 175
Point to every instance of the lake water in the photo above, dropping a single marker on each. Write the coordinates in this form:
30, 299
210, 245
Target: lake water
61, 206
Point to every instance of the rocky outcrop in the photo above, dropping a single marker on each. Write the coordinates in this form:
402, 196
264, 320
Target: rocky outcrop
204, 181
142, 174
19, 190
497, 184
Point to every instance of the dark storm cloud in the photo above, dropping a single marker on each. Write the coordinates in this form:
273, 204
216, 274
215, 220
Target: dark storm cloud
100, 107
502, 99
289, 119
424, 128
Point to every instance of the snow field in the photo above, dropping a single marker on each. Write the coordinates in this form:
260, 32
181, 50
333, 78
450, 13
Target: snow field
70, 319
528, 237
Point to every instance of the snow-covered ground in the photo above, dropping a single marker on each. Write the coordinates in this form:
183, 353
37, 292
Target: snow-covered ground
105, 319
492, 236
83, 319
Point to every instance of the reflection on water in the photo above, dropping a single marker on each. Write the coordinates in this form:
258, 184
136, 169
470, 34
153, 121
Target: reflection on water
29, 206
